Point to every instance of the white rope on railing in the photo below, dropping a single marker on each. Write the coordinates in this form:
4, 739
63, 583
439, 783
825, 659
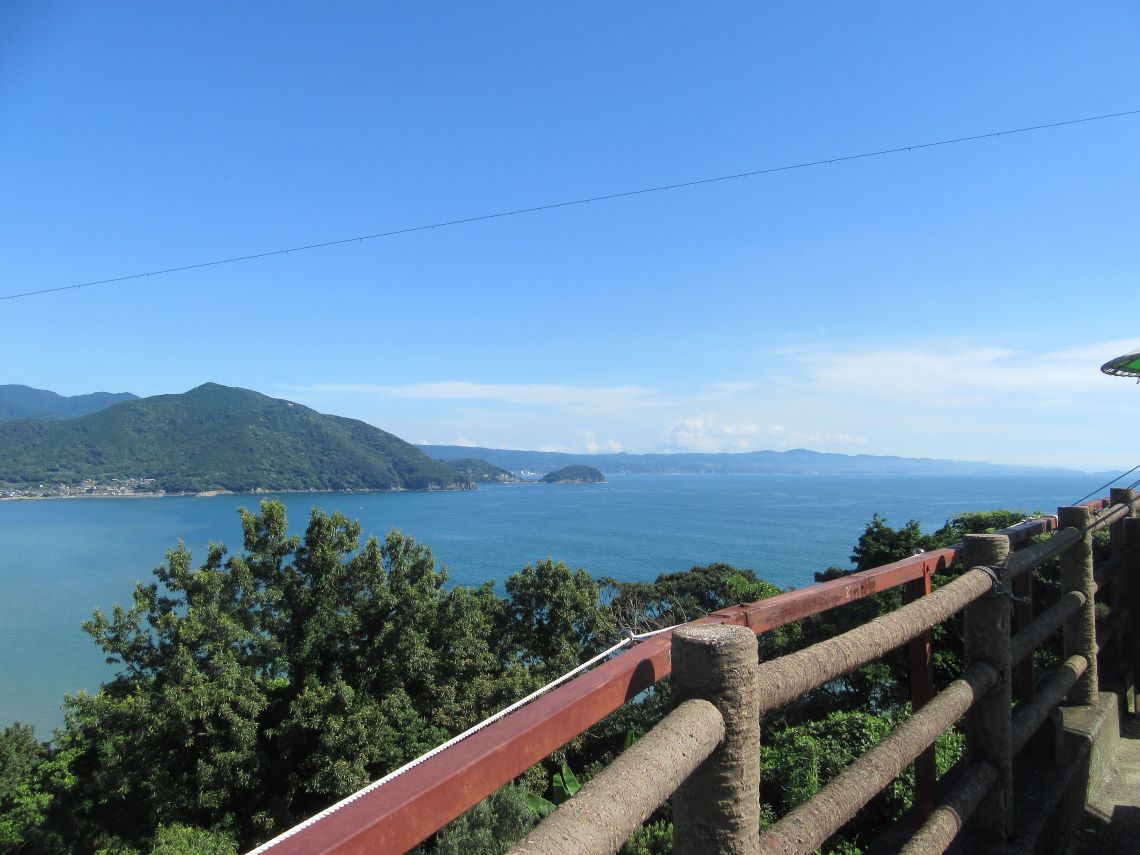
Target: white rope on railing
630, 637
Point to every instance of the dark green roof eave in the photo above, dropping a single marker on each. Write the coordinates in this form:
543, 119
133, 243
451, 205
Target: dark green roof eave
1123, 366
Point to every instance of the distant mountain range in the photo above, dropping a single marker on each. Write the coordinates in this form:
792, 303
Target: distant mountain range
798, 461
24, 402
220, 438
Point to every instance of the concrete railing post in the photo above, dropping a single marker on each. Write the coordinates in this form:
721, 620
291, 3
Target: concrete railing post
1079, 633
1132, 585
921, 653
988, 727
717, 810
1119, 496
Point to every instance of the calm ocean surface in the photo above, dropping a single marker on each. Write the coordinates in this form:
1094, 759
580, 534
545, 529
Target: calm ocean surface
61, 559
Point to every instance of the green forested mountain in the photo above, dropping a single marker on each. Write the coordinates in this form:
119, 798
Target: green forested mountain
218, 438
24, 402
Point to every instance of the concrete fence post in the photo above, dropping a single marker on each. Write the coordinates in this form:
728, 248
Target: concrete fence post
921, 654
1079, 632
1119, 496
717, 810
1132, 581
988, 727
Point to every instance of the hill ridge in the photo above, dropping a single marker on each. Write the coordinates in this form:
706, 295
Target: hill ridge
19, 402
216, 437
796, 461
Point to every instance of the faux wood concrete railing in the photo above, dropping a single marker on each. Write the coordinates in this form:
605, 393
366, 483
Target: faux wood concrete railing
411, 807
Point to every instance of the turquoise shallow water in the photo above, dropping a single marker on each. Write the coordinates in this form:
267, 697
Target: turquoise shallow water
61, 559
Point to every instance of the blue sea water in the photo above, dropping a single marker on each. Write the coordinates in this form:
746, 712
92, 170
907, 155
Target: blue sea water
61, 559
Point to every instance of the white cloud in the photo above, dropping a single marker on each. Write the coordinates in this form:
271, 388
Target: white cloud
955, 398
797, 439
689, 434
959, 371
588, 442
518, 394
938, 397
707, 433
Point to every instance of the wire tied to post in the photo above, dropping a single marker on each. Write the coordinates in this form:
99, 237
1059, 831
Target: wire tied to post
999, 587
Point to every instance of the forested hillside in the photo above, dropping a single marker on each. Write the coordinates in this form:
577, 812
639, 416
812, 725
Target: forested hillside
24, 402
218, 438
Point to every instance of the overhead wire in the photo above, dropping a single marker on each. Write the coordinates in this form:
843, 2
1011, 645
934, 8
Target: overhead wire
1109, 484
533, 209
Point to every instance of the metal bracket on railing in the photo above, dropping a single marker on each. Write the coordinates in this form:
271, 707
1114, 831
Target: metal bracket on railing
999, 588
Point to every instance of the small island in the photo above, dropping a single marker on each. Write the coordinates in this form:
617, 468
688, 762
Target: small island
575, 475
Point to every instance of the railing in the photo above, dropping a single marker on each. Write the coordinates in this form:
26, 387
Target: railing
687, 753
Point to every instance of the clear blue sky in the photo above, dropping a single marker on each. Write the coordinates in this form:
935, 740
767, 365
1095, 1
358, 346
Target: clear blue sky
950, 302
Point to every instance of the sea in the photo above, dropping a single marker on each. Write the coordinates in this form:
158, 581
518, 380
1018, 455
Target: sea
60, 559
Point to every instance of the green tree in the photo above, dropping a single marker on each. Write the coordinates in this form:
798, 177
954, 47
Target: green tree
184, 840
552, 617
258, 688
23, 801
880, 544
491, 827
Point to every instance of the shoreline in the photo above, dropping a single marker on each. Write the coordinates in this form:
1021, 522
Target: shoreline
209, 494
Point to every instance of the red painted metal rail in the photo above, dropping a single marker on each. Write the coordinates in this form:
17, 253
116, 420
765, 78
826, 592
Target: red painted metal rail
408, 809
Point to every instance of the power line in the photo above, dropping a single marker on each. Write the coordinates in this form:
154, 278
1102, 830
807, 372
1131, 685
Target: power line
570, 203
1109, 484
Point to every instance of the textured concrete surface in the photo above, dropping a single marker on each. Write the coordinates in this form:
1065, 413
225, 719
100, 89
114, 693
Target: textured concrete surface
1052, 780
1111, 821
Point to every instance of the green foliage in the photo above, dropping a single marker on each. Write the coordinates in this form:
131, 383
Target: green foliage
256, 689
20, 755
552, 617
183, 840
678, 597
654, 838
565, 784
975, 522
481, 472
491, 827
880, 544
218, 438
22, 802
799, 760
575, 475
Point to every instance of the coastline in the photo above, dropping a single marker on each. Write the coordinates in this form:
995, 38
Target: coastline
209, 494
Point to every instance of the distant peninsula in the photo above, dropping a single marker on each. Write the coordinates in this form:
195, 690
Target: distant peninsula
481, 472
575, 475
217, 438
797, 461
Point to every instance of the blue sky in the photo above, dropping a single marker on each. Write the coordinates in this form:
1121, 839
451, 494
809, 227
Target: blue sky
949, 302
